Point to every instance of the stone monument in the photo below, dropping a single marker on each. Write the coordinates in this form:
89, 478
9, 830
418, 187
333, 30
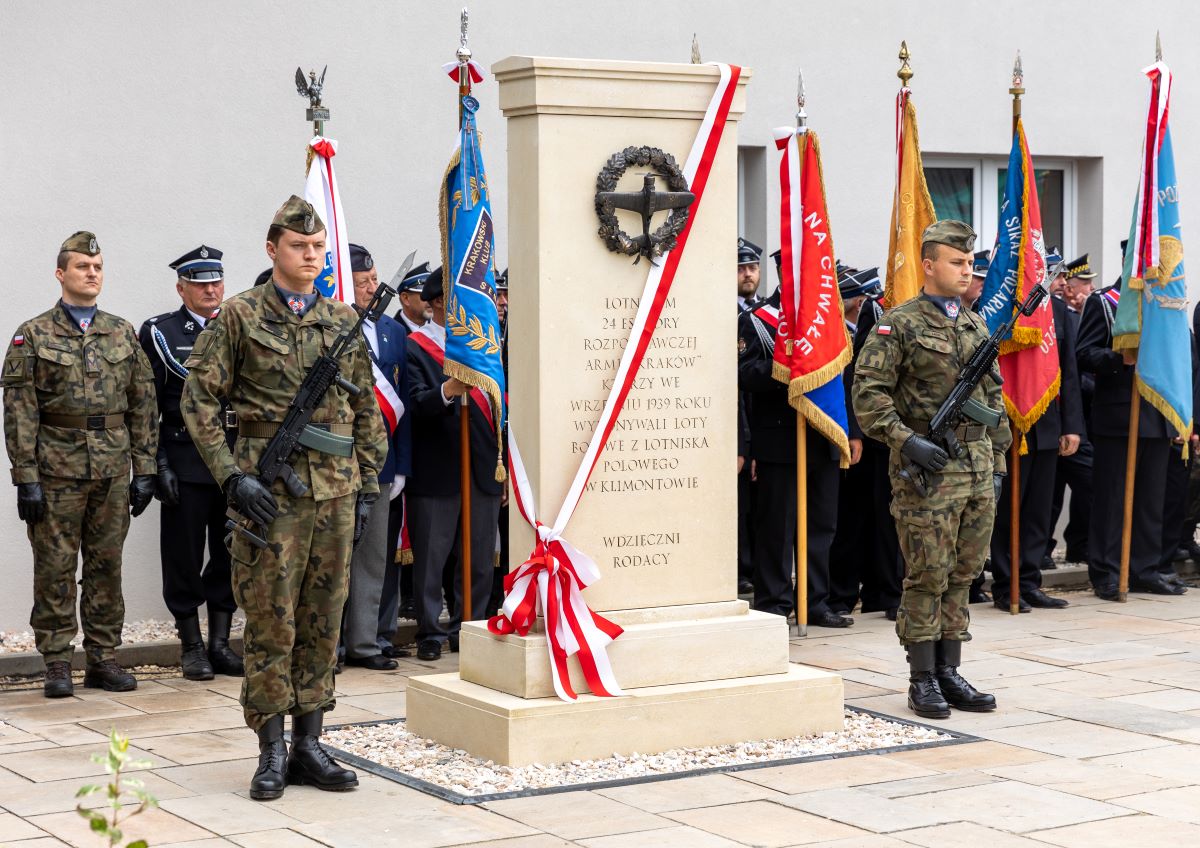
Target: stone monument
659, 513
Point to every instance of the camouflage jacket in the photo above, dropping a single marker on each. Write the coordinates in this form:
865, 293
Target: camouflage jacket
52, 368
906, 368
256, 352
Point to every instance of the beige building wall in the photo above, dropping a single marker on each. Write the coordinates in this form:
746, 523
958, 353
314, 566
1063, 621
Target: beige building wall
163, 125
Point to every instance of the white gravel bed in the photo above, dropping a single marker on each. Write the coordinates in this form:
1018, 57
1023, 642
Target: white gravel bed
391, 745
134, 632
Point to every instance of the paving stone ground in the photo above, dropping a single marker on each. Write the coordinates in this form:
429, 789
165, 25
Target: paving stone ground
1096, 743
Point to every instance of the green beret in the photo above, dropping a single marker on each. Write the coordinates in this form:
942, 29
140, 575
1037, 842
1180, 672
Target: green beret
952, 233
81, 242
299, 216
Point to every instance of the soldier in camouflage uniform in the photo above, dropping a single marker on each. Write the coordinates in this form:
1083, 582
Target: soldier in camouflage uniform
904, 371
256, 352
78, 410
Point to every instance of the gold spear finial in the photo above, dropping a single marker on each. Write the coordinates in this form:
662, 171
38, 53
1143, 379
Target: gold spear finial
695, 50
906, 72
1018, 88
1157, 46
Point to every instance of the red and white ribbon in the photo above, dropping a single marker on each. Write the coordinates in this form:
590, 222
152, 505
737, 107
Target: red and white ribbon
551, 580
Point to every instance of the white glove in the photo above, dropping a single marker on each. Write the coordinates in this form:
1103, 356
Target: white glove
397, 487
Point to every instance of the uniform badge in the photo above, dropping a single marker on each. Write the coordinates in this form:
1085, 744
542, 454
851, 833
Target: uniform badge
741, 345
189, 326
93, 247
18, 340
84, 323
951, 309
296, 304
884, 330
203, 252
309, 223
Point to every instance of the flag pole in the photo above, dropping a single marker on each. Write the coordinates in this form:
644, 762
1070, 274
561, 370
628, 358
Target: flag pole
463, 55
1014, 461
801, 430
316, 112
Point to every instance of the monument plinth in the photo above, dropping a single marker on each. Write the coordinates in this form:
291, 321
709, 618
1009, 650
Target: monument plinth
658, 515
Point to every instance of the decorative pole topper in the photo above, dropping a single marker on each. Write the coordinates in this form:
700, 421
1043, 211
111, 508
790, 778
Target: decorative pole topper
906, 72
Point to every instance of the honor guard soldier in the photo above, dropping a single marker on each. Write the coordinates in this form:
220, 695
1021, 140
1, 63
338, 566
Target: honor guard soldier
414, 313
1055, 434
193, 505
749, 266
905, 370
78, 412
256, 353
773, 448
1108, 428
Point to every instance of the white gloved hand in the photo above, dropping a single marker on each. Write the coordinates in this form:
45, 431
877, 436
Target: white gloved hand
397, 487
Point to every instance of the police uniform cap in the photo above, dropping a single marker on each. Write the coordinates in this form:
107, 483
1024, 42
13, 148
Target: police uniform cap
432, 288
859, 283
360, 258
844, 273
299, 216
414, 280
778, 257
502, 280
81, 242
1080, 268
749, 253
980, 263
951, 233
200, 265
1054, 263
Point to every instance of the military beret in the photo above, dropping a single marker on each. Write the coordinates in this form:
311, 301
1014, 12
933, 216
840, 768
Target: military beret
81, 242
360, 258
299, 216
1080, 268
749, 253
432, 288
502, 280
951, 233
200, 265
264, 276
983, 259
414, 280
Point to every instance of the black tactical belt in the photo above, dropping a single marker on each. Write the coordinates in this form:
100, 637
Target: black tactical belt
964, 432
84, 422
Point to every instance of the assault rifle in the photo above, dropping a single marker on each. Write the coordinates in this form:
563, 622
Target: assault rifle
275, 462
959, 402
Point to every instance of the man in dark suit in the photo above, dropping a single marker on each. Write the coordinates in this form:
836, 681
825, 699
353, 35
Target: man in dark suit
1056, 433
773, 449
435, 496
749, 256
193, 505
374, 555
1109, 429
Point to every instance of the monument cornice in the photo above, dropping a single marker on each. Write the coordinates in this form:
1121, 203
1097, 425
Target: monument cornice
542, 85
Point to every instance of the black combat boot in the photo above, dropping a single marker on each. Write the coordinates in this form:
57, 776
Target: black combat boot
222, 657
268, 782
107, 675
193, 659
958, 692
924, 697
309, 763
58, 680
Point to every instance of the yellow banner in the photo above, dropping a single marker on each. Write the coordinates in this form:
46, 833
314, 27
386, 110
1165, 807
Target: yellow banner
912, 212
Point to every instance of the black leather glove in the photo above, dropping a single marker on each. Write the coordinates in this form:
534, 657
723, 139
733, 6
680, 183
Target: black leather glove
925, 453
997, 484
362, 514
251, 498
141, 492
167, 486
31, 502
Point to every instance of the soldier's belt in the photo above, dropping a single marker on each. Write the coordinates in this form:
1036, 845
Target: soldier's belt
964, 432
228, 419
336, 439
84, 422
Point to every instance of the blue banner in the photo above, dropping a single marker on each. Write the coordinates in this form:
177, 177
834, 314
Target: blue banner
473, 333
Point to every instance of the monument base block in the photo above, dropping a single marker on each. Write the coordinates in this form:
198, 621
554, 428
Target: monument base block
516, 731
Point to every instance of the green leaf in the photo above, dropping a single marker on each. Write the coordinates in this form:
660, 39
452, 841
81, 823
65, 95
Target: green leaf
90, 789
99, 824
114, 835
140, 843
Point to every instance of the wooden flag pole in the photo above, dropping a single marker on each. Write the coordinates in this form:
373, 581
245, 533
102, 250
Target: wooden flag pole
464, 410
1014, 462
1135, 408
801, 525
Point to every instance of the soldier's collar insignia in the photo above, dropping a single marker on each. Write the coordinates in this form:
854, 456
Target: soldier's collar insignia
952, 309
189, 326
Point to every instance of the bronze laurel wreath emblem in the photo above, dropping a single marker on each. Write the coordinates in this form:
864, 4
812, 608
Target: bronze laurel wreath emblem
663, 238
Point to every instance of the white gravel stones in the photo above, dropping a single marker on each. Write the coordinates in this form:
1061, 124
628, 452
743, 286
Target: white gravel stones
391, 745
134, 632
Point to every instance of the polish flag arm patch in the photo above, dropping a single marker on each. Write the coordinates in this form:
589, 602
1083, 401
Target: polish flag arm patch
884, 329
18, 340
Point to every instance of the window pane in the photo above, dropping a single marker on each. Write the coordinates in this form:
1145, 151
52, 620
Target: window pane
953, 192
1050, 197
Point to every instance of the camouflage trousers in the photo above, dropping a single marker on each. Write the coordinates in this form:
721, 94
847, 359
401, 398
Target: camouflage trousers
292, 593
944, 539
92, 517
